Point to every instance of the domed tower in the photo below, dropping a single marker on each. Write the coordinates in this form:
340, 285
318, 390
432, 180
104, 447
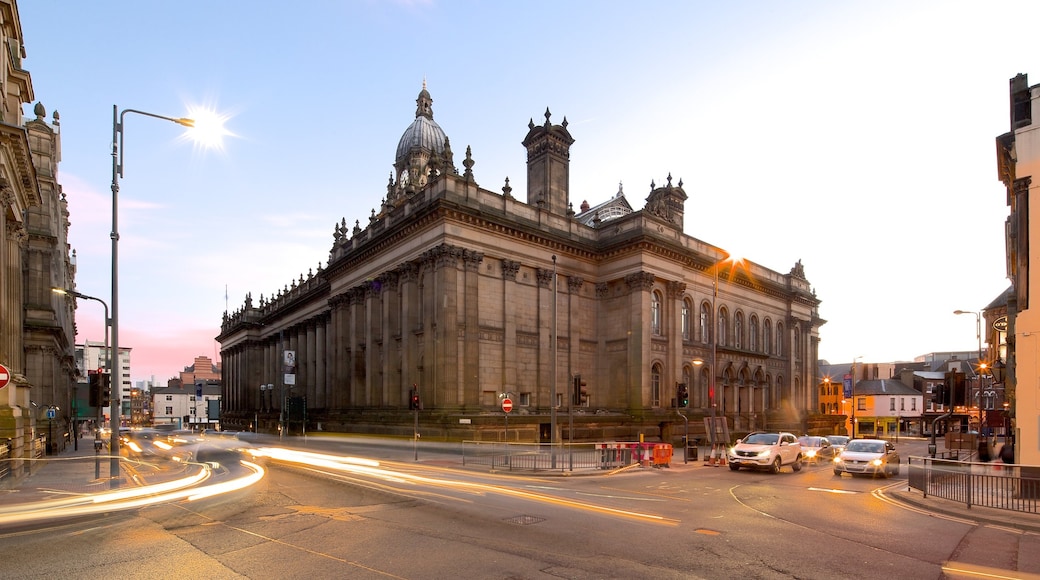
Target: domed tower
422, 142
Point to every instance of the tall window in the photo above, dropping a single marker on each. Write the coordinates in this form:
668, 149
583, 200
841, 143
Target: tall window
655, 312
779, 339
796, 348
891, 403
753, 333
686, 322
655, 385
705, 323
723, 322
738, 329
767, 337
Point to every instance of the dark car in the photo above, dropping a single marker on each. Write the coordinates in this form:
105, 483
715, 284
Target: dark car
816, 449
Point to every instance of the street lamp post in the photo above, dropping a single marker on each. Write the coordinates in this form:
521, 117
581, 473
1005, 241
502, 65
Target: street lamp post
108, 366
118, 133
715, 322
978, 361
852, 420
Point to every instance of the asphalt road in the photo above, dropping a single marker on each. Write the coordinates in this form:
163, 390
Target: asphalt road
427, 519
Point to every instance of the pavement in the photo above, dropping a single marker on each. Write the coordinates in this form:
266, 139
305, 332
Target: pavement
80, 470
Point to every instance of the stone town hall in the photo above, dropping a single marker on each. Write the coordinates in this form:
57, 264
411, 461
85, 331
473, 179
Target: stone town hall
469, 294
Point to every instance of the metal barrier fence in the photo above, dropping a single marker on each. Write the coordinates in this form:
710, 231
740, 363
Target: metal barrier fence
540, 457
5, 465
991, 485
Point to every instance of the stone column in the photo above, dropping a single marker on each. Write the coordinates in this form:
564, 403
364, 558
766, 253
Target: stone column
640, 285
469, 384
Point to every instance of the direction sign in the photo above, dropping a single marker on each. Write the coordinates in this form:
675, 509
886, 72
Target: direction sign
5, 376
507, 404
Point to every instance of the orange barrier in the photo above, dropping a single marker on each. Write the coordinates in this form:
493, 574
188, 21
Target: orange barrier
662, 454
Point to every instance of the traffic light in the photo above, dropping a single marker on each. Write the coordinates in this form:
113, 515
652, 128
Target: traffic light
105, 392
414, 402
576, 391
682, 395
583, 392
94, 387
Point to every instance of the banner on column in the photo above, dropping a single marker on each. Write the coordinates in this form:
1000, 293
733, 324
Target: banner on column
289, 366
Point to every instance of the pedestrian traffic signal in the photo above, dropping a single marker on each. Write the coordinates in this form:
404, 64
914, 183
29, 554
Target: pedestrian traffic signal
583, 392
682, 395
414, 402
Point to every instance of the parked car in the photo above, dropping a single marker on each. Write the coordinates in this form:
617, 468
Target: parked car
868, 457
838, 443
816, 449
766, 451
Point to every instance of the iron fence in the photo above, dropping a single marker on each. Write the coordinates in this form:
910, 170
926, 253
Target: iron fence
542, 457
5, 463
992, 485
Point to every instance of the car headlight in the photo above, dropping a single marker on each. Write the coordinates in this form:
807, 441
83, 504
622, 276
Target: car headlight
810, 453
876, 462
764, 453
837, 459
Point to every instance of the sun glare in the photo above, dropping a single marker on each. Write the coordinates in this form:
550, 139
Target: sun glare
209, 131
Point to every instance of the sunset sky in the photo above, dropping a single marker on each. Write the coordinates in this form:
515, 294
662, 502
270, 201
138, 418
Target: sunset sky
856, 137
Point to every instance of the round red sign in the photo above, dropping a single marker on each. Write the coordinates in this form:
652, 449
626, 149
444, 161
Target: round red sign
507, 405
5, 376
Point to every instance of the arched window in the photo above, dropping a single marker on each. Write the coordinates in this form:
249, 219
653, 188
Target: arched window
686, 321
738, 329
778, 393
704, 386
655, 385
723, 322
753, 333
655, 313
705, 323
767, 336
796, 350
779, 339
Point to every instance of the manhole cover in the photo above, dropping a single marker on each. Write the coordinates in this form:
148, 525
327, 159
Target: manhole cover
524, 520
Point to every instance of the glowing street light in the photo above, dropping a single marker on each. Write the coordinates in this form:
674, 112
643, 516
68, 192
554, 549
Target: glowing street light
118, 133
108, 366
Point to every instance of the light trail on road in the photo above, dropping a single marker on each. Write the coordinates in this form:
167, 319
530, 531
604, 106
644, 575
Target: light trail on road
358, 466
186, 488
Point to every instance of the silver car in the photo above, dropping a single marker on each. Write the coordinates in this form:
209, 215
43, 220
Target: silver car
868, 457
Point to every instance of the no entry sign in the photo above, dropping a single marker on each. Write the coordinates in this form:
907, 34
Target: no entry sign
507, 404
5, 376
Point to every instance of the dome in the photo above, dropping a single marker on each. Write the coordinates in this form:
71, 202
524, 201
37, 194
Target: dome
423, 133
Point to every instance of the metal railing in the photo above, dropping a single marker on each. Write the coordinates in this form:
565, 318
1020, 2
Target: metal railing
996, 485
5, 463
540, 457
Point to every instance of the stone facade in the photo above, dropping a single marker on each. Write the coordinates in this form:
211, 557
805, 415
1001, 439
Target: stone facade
36, 326
1018, 160
468, 294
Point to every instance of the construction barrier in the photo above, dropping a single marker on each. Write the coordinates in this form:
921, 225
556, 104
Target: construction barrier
662, 454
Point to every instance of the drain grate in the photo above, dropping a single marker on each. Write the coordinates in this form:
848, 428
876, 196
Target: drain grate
525, 520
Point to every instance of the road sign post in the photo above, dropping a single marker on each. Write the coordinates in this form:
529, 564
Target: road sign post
5, 376
507, 407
